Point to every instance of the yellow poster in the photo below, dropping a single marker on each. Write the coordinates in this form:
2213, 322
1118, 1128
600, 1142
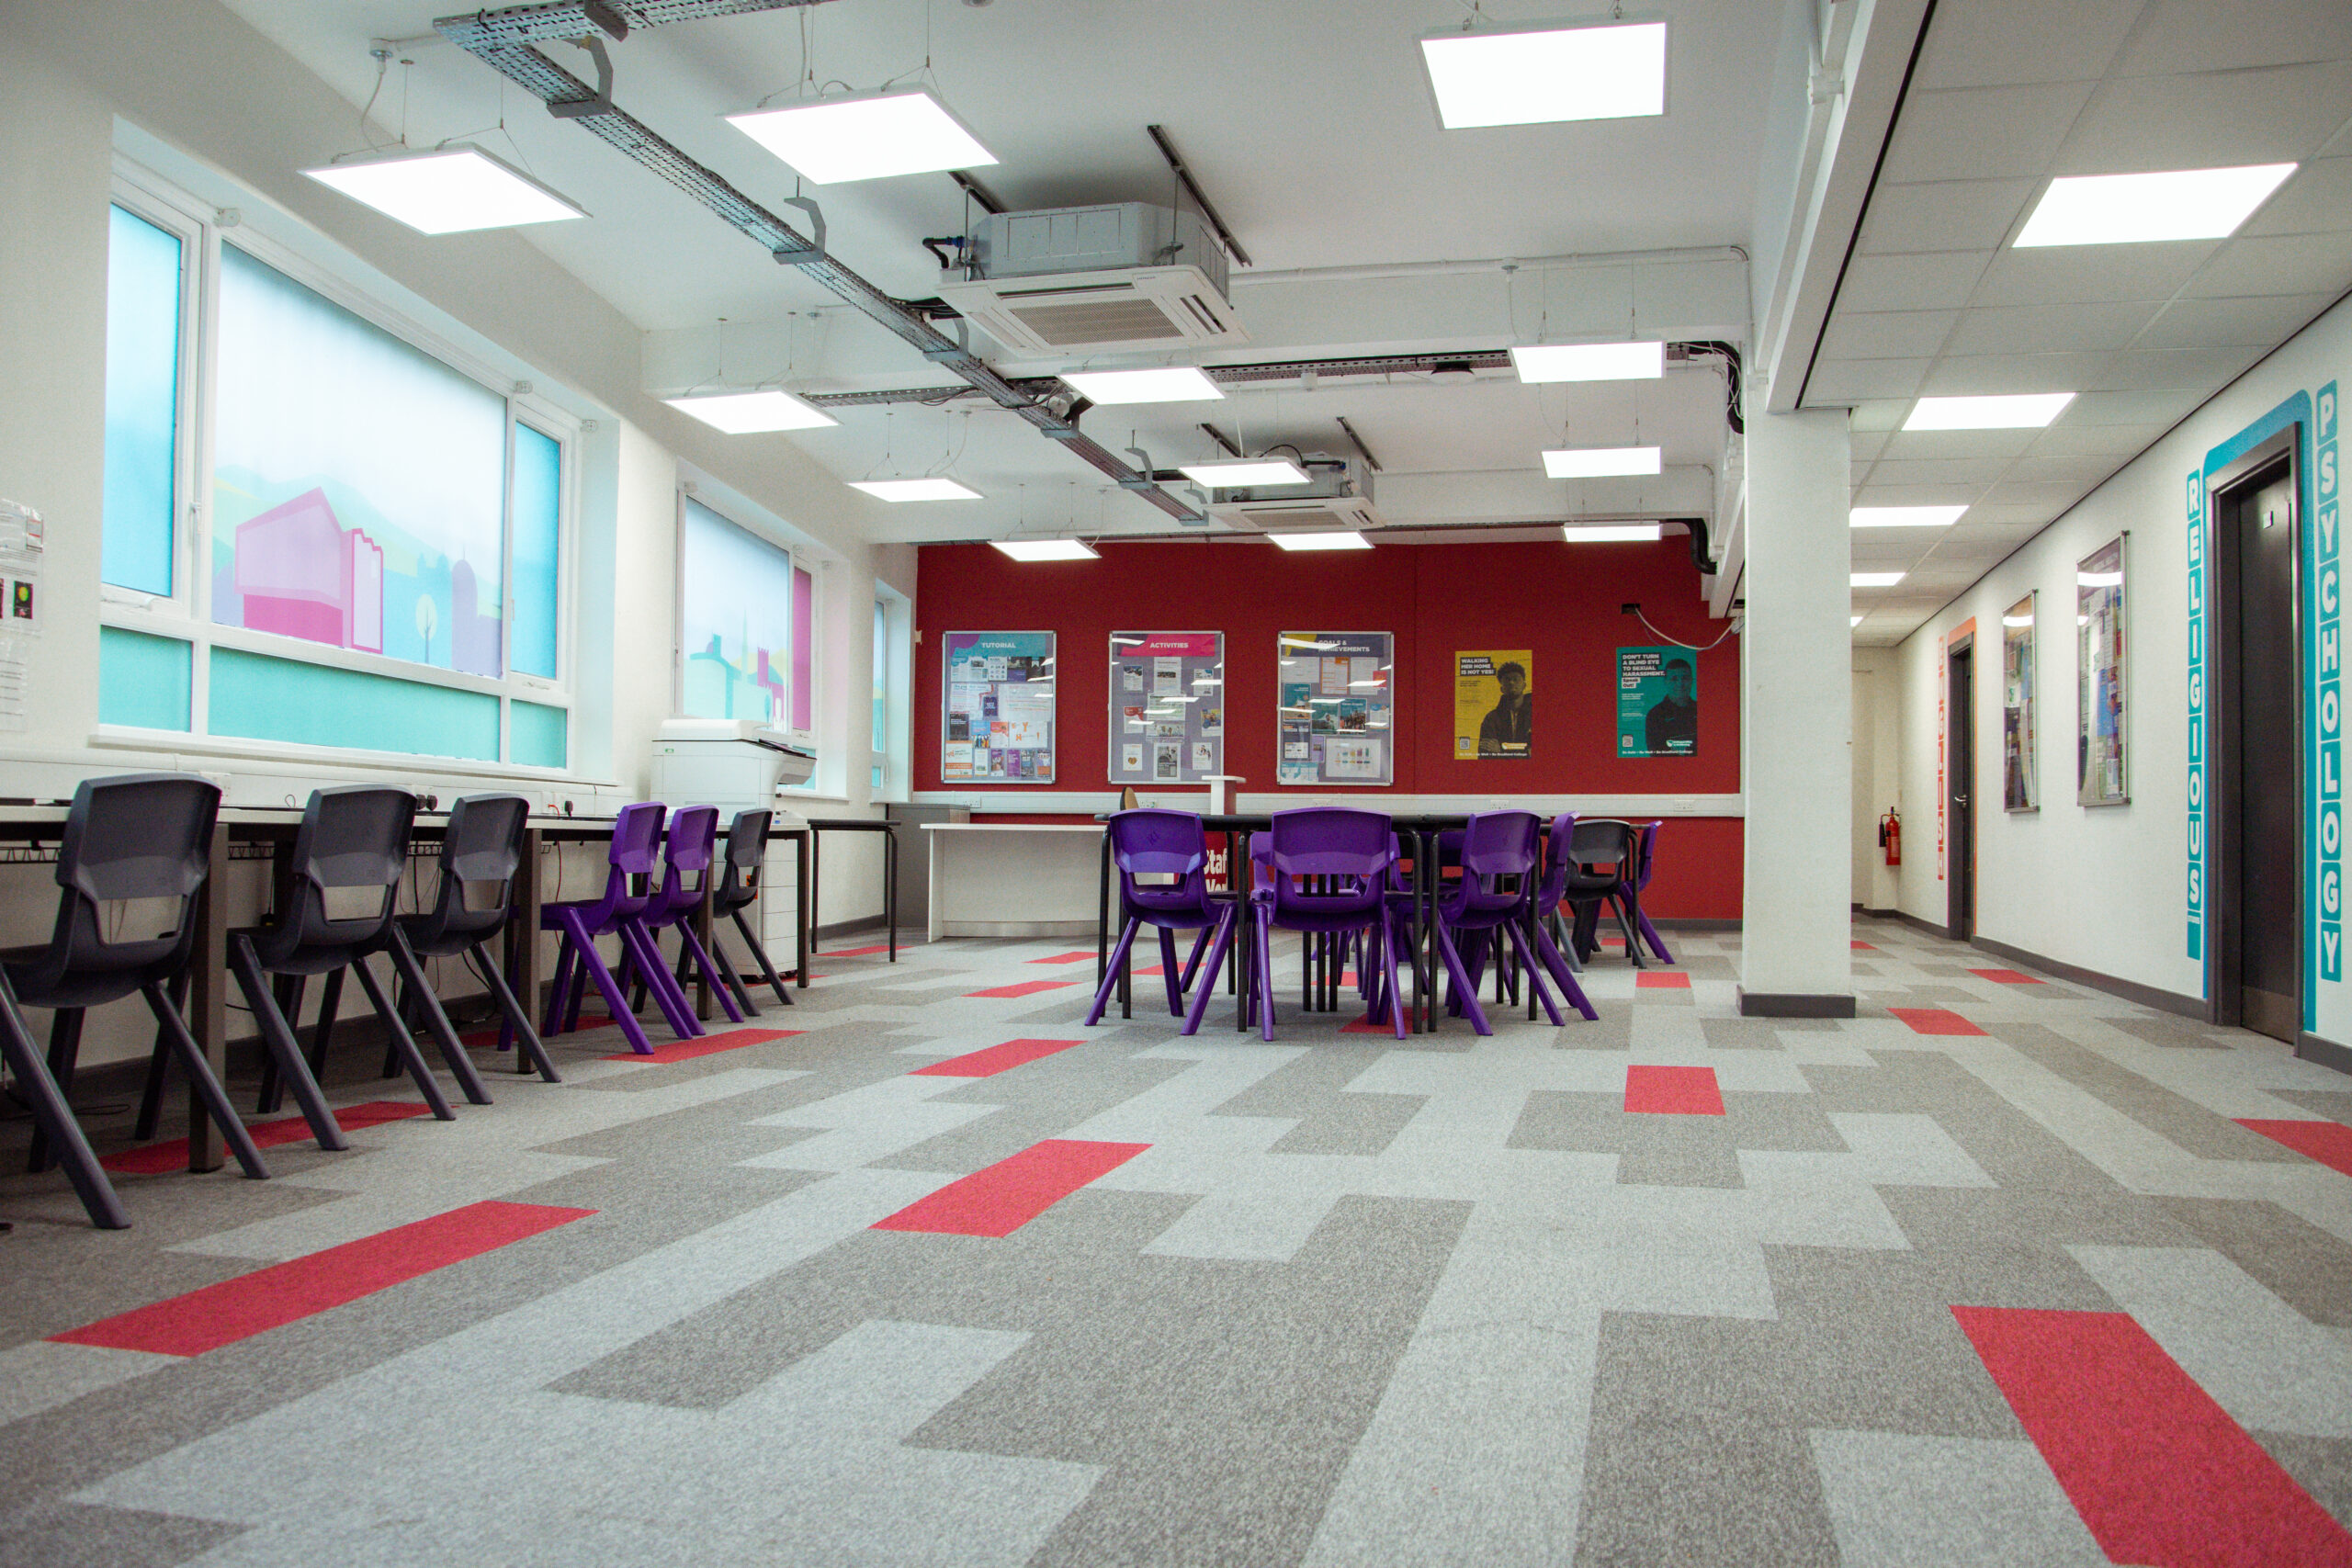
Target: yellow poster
1494, 703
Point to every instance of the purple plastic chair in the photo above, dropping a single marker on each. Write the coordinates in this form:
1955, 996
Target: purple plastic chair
693, 840
629, 889
1495, 900
1629, 893
1559, 867
1163, 845
1330, 877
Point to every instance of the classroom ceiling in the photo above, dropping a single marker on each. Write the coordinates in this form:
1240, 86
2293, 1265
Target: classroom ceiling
1934, 301
1312, 130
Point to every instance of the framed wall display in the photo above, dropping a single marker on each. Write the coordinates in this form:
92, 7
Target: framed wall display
1494, 704
1167, 706
1657, 702
2103, 716
996, 726
2020, 763
1334, 724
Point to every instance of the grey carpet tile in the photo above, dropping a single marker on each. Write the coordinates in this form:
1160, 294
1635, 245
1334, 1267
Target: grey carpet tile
1355, 1301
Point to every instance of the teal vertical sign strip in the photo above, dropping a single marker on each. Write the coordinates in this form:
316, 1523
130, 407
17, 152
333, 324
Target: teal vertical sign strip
2197, 716
2326, 535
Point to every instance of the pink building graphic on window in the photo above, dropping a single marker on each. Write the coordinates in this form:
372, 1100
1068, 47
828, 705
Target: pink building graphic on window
302, 574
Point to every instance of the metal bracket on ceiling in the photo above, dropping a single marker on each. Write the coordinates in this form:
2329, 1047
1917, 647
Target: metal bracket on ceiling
806, 204
963, 344
581, 108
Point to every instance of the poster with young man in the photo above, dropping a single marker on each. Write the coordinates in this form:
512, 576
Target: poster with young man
1494, 706
1658, 703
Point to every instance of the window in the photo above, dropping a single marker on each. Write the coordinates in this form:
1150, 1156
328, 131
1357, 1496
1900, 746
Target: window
880, 742
379, 563
742, 624
893, 663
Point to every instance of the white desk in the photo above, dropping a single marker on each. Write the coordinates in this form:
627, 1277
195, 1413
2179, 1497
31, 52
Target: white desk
1013, 878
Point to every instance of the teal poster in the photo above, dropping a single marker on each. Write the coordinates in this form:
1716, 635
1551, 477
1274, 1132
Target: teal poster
1657, 702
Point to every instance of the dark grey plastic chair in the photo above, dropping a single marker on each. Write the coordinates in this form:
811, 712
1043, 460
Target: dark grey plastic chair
480, 849
353, 842
136, 837
747, 851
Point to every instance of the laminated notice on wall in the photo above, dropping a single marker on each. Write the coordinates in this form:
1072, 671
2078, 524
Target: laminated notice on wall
24, 605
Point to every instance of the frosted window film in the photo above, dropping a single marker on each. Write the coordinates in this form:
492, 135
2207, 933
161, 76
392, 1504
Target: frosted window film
142, 680
142, 403
358, 484
735, 621
538, 513
317, 705
804, 647
537, 736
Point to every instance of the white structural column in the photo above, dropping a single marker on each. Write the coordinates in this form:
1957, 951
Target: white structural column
1796, 713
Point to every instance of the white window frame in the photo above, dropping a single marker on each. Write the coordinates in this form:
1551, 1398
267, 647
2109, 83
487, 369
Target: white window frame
892, 750
186, 615
751, 520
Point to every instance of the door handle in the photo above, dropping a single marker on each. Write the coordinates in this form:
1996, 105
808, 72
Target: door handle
1960, 800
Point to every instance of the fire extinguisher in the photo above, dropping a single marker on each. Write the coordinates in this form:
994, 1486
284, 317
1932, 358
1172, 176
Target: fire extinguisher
1890, 836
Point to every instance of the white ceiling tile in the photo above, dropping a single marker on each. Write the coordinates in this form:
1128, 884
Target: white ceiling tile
2069, 438
2159, 408
1867, 443
1852, 381
2194, 370
1976, 374
2090, 275
2316, 200
1943, 215
2263, 322
1977, 43
2037, 492
2085, 470
1959, 443
1937, 470
1874, 553
1908, 493
1886, 334
2280, 263
2026, 329
1938, 280
2198, 35
1973, 133
2010, 518
2208, 120
1881, 415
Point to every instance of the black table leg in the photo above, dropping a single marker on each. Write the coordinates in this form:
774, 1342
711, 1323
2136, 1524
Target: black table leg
890, 887
816, 856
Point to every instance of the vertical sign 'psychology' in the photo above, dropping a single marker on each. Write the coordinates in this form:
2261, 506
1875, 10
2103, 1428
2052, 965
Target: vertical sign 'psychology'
2327, 578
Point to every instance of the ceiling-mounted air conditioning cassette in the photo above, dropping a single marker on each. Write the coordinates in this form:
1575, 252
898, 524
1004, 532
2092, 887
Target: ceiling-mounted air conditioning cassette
1337, 496
1078, 279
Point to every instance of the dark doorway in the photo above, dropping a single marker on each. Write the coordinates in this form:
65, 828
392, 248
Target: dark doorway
1960, 787
2258, 749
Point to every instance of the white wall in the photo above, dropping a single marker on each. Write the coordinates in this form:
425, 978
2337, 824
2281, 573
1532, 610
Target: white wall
1878, 772
2103, 888
76, 81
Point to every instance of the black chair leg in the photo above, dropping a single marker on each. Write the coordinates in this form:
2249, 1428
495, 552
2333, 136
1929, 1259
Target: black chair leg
52, 1116
287, 992
277, 1035
150, 1099
729, 975
65, 1050
527, 1038
437, 1019
760, 956
404, 1042
199, 1076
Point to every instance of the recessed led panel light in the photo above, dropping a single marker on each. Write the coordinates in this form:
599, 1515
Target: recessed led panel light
1589, 361
869, 137
1335, 541
2178, 204
448, 191
1045, 549
1611, 533
1166, 384
1245, 473
1852, 623
1904, 516
1598, 462
1877, 579
2026, 411
916, 490
2098, 579
749, 413
1540, 75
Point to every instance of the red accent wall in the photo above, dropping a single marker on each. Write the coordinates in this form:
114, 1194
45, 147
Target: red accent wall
1560, 601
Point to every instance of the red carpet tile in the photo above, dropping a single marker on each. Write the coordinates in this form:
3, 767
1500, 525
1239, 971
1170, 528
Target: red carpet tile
2330, 1143
1064, 957
993, 1060
2157, 1470
2006, 976
1864, 947
487, 1039
1025, 989
1935, 1020
708, 1045
1661, 980
1010, 1193
1375, 1026
856, 952
1673, 1091
154, 1160
286, 1292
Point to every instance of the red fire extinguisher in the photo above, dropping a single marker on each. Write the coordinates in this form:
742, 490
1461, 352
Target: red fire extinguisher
1890, 836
